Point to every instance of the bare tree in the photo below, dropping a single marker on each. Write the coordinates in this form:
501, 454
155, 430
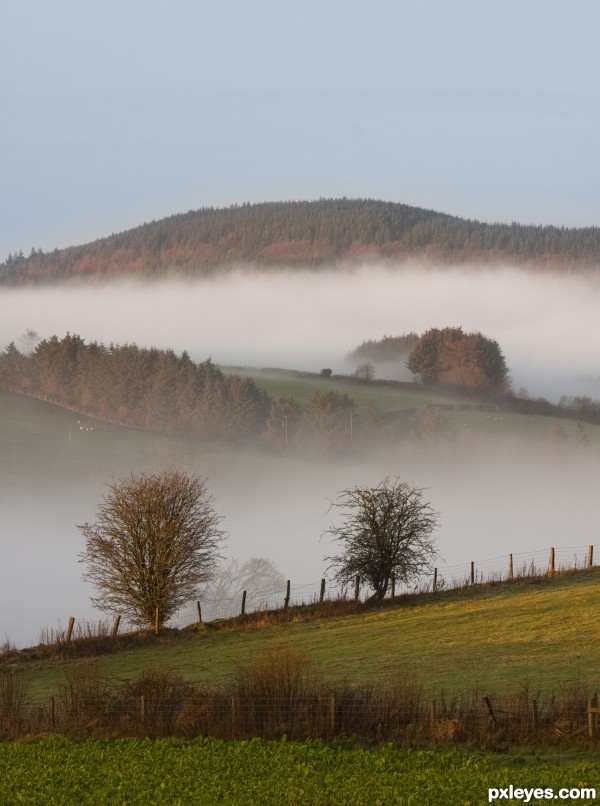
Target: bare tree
256, 575
156, 539
365, 372
29, 339
386, 530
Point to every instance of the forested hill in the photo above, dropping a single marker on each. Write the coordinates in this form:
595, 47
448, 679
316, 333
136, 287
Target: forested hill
301, 234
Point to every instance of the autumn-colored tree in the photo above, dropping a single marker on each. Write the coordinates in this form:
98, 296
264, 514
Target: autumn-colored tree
467, 360
155, 540
329, 418
283, 422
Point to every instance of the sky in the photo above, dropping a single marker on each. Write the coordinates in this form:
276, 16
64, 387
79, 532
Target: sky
116, 113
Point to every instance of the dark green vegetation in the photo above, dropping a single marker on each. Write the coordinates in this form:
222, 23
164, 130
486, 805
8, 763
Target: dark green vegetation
205, 771
301, 234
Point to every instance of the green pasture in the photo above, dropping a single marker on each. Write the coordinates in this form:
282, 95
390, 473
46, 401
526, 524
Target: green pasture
541, 632
133, 772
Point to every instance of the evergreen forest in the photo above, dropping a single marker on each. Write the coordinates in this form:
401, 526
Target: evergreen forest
305, 234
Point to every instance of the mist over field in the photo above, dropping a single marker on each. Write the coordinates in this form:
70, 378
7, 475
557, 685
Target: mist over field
494, 496
547, 326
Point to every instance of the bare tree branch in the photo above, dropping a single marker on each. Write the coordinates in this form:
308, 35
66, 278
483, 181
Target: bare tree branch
386, 530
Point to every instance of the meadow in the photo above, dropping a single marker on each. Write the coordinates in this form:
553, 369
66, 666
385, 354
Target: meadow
534, 639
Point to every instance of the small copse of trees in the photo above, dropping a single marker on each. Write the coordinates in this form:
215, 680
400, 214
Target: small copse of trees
451, 357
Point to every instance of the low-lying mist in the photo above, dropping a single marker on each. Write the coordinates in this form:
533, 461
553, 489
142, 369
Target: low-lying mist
494, 497
547, 325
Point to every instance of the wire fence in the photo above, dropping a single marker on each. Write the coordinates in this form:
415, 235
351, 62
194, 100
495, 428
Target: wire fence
539, 563
497, 569
285, 699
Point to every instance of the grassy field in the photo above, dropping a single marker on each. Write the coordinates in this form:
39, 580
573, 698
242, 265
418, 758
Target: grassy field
205, 771
539, 632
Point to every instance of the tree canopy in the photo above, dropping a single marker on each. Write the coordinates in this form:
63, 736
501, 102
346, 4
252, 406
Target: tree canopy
155, 540
386, 530
451, 357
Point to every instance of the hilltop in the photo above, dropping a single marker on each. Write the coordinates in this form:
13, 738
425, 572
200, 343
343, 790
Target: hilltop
305, 234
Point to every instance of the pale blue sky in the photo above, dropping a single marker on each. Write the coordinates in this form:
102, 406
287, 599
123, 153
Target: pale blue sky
114, 113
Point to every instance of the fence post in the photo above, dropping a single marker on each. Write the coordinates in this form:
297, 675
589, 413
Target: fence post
143, 710
510, 567
432, 715
115, 628
551, 562
592, 710
322, 592
490, 709
243, 603
590, 559
356, 587
287, 596
535, 722
434, 585
331, 714
235, 716
70, 629
472, 572
199, 614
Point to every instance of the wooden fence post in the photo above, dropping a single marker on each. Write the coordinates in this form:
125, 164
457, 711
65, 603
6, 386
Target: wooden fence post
487, 701
331, 714
592, 710
510, 567
590, 557
143, 710
535, 722
115, 628
434, 585
357, 587
472, 572
322, 592
243, 603
551, 562
199, 614
235, 714
286, 602
432, 714
70, 629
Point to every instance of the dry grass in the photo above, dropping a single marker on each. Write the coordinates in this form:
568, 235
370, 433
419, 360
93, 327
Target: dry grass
282, 693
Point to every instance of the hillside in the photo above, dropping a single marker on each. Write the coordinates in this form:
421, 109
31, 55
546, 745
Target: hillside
304, 234
533, 632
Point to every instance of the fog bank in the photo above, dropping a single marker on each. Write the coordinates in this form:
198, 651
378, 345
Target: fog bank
547, 326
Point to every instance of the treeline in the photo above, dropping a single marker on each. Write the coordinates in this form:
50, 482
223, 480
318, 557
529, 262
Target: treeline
304, 234
159, 391
387, 350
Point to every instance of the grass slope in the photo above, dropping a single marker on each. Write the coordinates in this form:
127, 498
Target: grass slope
543, 632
